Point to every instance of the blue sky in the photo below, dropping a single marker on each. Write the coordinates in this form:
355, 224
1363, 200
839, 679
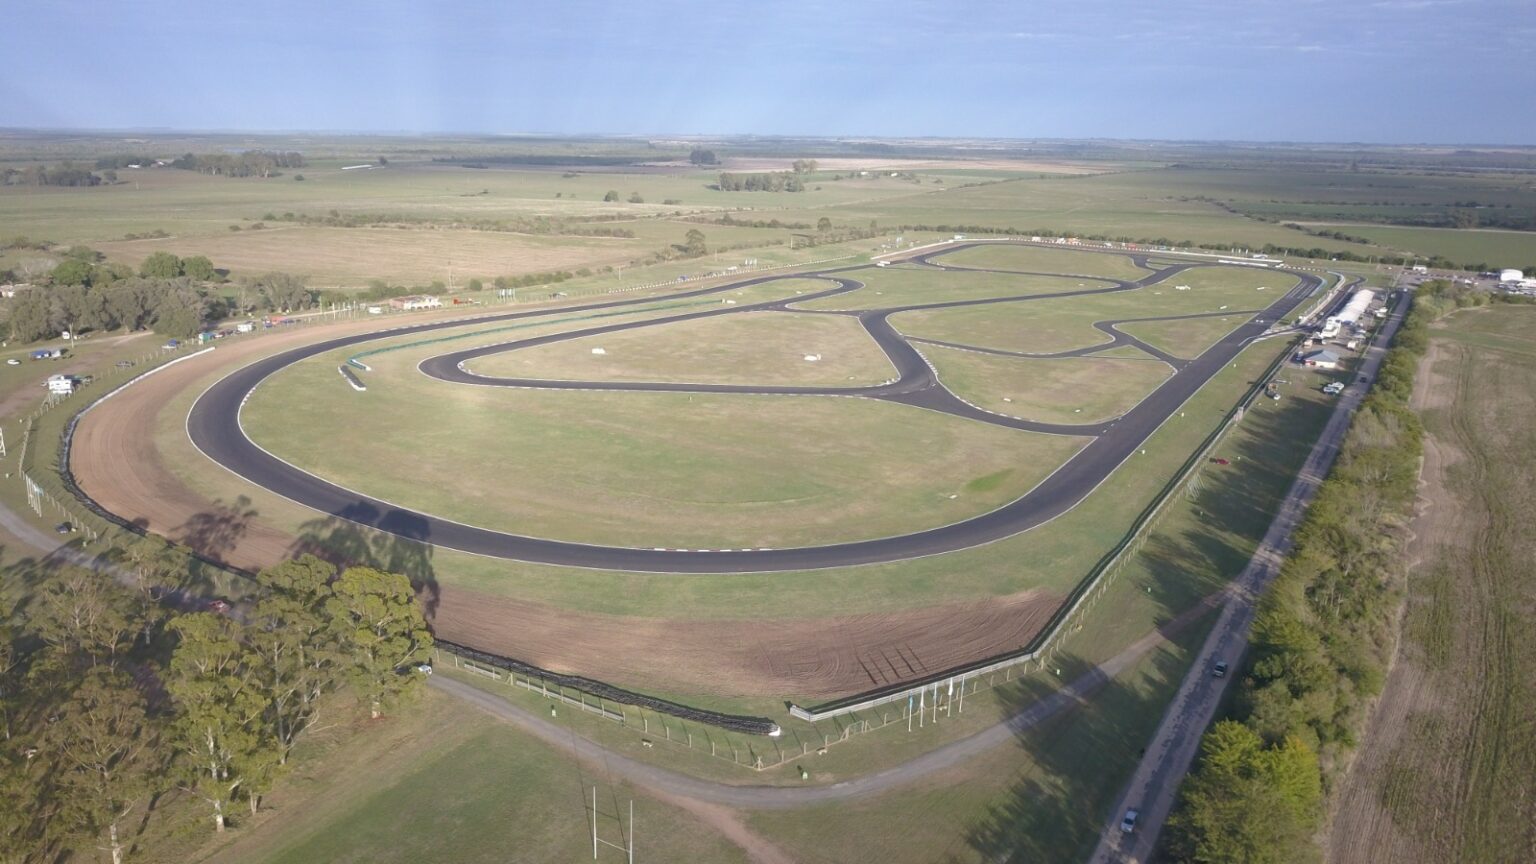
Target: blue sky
1394, 71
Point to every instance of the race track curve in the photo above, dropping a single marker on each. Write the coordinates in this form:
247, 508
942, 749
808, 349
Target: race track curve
214, 427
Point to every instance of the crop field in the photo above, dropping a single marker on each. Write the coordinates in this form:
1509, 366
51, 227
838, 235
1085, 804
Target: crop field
1497, 249
1445, 772
1149, 205
412, 221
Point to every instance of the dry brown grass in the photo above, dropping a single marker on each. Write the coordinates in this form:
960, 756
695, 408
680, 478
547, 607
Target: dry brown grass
1446, 771
349, 256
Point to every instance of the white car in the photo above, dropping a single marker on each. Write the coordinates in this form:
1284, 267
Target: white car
12, 361
1128, 824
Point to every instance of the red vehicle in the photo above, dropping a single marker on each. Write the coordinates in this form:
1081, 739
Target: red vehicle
1220, 461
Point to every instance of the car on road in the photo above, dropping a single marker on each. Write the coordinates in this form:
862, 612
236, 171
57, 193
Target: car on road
1128, 824
1219, 670
424, 668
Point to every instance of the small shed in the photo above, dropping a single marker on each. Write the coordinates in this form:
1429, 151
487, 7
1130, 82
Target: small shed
1321, 359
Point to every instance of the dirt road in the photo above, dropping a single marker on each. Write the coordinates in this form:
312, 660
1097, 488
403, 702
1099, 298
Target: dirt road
673, 783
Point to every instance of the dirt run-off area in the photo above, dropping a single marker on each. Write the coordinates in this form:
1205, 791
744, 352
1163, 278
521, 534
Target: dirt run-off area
116, 462
1447, 767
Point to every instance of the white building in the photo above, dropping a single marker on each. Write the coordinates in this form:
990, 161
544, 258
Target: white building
416, 301
1351, 313
1510, 275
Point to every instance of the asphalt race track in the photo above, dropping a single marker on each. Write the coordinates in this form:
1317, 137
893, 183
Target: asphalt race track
214, 427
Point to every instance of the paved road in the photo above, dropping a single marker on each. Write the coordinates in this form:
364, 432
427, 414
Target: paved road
214, 427
1153, 787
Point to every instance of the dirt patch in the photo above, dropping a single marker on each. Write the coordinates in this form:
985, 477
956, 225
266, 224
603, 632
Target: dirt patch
1446, 765
810, 658
875, 164
353, 255
1362, 828
730, 825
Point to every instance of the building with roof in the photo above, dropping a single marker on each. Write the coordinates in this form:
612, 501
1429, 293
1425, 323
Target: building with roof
1324, 359
416, 301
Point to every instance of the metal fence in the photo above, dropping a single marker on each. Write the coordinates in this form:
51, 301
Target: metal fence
656, 729
940, 688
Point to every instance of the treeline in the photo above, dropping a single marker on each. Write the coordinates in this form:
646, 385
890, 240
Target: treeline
118, 710
538, 159
1438, 262
1323, 633
1458, 214
1272, 249
172, 296
379, 289
776, 181
730, 220
251, 163
67, 174
536, 225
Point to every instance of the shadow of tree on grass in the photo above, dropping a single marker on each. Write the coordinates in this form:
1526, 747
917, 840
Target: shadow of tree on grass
401, 543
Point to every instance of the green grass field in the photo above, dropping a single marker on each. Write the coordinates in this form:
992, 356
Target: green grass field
1035, 259
1187, 339
440, 781
1069, 390
1150, 204
1051, 557
908, 286
646, 469
750, 348
1495, 248
1060, 324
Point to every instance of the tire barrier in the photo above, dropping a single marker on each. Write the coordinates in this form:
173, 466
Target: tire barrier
352, 378
731, 722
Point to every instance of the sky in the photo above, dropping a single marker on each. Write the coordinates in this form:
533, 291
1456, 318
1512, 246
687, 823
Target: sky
1381, 71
